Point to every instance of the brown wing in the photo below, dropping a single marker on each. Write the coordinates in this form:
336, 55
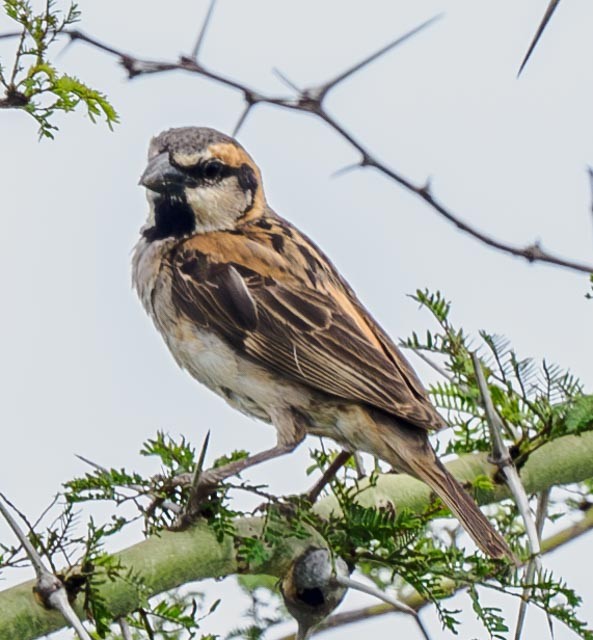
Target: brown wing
277, 299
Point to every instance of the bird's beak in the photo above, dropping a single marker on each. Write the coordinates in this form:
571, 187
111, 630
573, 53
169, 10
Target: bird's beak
161, 176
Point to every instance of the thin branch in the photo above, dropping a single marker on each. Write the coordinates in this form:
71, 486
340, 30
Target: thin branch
17, 58
534, 564
429, 361
310, 101
359, 464
318, 94
371, 590
338, 173
502, 458
124, 627
543, 24
243, 117
396, 604
590, 172
167, 504
30, 550
287, 81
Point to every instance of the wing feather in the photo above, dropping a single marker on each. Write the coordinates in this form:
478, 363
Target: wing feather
290, 311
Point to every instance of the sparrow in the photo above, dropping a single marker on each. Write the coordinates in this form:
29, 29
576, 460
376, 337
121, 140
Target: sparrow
254, 310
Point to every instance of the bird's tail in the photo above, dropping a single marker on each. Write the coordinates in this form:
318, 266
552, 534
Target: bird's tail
467, 511
417, 457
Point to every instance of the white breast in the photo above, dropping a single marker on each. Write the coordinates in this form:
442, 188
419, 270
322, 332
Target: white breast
146, 264
209, 359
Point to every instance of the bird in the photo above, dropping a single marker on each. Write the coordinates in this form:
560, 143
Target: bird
250, 307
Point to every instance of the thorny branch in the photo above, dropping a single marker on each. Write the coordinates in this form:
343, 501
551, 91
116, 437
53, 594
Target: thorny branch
501, 456
124, 627
311, 100
418, 602
49, 589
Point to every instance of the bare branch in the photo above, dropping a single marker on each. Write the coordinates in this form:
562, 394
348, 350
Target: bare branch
396, 604
310, 100
243, 117
320, 92
533, 565
359, 464
287, 81
544, 23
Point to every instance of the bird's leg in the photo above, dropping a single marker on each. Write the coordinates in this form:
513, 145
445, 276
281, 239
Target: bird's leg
215, 476
204, 483
291, 428
338, 462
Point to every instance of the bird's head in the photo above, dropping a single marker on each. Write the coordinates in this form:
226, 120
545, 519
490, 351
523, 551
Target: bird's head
199, 180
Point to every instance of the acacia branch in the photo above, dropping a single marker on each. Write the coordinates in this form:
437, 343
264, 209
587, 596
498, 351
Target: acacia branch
48, 587
417, 602
170, 559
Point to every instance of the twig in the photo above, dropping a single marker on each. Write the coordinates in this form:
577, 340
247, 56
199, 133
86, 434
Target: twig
543, 24
124, 627
319, 93
533, 565
48, 588
502, 458
310, 100
287, 81
349, 583
167, 504
396, 604
359, 464
242, 118
146, 622
429, 361
590, 172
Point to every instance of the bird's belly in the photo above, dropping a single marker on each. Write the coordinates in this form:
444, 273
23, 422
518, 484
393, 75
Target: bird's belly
241, 382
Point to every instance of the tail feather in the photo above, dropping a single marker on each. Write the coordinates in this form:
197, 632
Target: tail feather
407, 448
466, 510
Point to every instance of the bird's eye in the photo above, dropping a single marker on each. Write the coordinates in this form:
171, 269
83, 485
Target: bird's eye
212, 170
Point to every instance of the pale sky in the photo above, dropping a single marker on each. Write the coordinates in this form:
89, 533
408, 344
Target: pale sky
84, 371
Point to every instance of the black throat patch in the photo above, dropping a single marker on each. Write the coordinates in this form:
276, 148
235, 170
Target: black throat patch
173, 218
